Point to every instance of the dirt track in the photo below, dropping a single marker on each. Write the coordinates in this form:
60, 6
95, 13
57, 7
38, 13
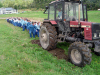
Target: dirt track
3, 18
58, 52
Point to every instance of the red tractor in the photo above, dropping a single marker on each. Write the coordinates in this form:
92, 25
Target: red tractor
68, 22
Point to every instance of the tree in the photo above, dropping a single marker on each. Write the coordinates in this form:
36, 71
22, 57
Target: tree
41, 3
1, 5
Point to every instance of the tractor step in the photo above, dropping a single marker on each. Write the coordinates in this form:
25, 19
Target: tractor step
60, 40
61, 36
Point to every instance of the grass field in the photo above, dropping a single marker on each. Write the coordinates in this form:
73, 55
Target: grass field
19, 57
35, 15
93, 16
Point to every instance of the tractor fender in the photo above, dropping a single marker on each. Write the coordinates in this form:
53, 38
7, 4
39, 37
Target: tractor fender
50, 21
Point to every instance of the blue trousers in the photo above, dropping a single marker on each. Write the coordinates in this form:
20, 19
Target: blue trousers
27, 27
24, 27
32, 32
15, 23
37, 33
11, 22
19, 24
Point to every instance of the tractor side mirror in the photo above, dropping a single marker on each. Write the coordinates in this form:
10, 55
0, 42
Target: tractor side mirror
46, 9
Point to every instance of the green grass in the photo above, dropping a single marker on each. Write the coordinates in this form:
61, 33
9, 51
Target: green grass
94, 16
19, 57
37, 15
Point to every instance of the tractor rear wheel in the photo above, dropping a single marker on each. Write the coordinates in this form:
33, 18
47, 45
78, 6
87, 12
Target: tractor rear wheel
48, 36
79, 54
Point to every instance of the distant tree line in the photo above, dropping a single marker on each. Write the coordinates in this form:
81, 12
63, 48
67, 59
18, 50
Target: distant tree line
92, 4
18, 4
28, 4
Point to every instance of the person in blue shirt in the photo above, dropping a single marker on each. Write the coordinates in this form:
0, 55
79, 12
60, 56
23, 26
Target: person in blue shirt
29, 23
32, 29
60, 14
22, 22
25, 24
38, 25
19, 24
38, 28
14, 23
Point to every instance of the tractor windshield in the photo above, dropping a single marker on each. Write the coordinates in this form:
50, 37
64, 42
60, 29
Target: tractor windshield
72, 11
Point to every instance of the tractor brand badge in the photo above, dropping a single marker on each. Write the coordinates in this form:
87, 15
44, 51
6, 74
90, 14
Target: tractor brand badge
74, 25
85, 26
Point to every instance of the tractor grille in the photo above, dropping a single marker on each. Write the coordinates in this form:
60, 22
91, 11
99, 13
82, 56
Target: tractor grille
96, 31
88, 34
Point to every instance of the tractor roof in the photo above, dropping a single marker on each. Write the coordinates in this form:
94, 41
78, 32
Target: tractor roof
76, 1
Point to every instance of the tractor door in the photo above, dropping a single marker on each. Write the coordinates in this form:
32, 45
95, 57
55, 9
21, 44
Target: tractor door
59, 14
51, 12
59, 11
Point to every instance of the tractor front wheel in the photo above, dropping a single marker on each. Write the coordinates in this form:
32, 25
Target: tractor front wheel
79, 54
48, 36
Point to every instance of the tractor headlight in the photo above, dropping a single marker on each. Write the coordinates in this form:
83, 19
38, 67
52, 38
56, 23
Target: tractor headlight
95, 35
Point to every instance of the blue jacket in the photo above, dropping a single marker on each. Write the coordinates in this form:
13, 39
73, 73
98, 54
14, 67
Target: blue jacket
32, 28
22, 22
60, 14
38, 26
25, 23
28, 23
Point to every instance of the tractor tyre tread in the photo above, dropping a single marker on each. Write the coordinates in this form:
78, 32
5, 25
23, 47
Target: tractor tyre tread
85, 52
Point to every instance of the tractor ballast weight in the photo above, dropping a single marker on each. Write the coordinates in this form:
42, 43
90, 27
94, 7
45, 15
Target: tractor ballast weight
68, 22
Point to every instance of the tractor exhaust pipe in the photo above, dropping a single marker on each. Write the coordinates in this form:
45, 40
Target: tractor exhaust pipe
79, 12
79, 15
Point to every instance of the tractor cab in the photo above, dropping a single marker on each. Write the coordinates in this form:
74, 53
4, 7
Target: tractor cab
67, 11
63, 12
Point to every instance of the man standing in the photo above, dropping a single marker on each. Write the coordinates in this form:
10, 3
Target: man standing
38, 28
22, 22
25, 24
32, 30
28, 24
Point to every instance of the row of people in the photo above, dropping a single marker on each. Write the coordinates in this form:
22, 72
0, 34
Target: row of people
32, 27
